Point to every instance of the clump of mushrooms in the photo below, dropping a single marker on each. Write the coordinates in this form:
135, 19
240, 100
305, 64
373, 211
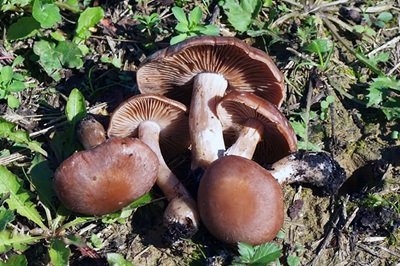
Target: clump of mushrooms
106, 177
161, 123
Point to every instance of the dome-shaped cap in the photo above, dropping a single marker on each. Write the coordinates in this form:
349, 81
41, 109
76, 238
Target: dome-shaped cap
239, 201
106, 178
170, 71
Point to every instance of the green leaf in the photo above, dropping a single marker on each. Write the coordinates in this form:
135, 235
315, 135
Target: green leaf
266, 253
76, 106
15, 260
6, 216
115, 259
293, 260
179, 38
210, 30
319, 46
96, 241
41, 177
13, 240
7, 130
195, 16
12, 101
385, 16
24, 27
6, 75
180, 15
46, 13
48, 58
246, 251
59, 253
182, 27
19, 199
70, 54
241, 14
88, 18
16, 86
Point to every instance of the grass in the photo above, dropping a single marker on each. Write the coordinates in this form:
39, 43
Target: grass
62, 59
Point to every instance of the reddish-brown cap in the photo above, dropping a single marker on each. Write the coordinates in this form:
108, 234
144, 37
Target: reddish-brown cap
170, 115
278, 138
106, 178
239, 201
90, 132
170, 71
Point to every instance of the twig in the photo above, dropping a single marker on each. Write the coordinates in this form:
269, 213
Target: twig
308, 107
293, 3
390, 43
389, 251
369, 250
396, 67
324, 5
11, 158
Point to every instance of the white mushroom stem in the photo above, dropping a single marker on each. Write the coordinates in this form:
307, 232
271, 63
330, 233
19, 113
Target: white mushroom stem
182, 208
249, 137
205, 128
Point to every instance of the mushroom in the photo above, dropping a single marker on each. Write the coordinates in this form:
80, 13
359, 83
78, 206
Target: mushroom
260, 127
106, 178
265, 133
90, 132
159, 121
209, 65
240, 201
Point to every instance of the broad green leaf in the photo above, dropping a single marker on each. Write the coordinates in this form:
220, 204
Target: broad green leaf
70, 54
46, 13
195, 16
76, 106
96, 241
16, 86
6, 216
266, 253
210, 30
15, 260
19, 199
320, 46
179, 38
24, 27
6, 75
8, 130
241, 14
182, 27
88, 18
14, 240
115, 259
48, 58
180, 15
12, 101
41, 177
59, 253
385, 16
293, 260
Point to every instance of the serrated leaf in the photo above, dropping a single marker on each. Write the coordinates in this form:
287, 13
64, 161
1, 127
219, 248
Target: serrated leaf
241, 14
24, 27
6, 216
8, 130
246, 251
15, 260
88, 18
59, 253
16, 241
70, 54
374, 97
115, 259
180, 15
46, 13
266, 253
19, 199
76, 106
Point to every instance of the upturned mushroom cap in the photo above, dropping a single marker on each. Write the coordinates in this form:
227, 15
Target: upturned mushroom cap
170, 71
106, 178
278, 138
239, 201
170, 115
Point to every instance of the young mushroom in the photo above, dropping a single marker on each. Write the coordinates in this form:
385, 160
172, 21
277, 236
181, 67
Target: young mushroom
106, 178
90, 132
240, 201
161, 122
205, 67
265, 133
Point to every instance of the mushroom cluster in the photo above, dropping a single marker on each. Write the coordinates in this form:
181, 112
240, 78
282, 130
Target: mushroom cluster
204, 94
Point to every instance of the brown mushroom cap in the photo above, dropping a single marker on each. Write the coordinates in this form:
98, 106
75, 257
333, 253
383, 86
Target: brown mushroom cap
170, 115
239, 201
278, 137
106, 178
90, 132
170, 71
